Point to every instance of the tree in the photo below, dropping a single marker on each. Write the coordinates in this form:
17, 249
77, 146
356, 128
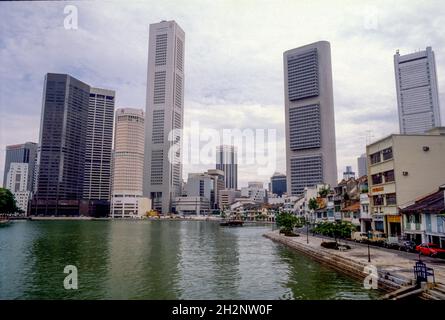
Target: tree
286, 221
324, 192
313, 204
341, 229
7, 202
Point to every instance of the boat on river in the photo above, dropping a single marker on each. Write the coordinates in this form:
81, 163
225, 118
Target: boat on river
4, 220
232, 223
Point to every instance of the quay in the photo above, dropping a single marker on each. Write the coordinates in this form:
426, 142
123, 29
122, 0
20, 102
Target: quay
395, 269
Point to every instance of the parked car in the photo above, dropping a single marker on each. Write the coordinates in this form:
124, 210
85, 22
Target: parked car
407, 245
392, 243
430, 249
359, 236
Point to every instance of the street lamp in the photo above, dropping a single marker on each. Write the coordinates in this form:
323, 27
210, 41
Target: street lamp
307, 232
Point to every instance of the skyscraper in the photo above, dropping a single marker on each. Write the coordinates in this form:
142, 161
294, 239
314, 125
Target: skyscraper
72, 147
348, 173
164, 115
17, 181
226, 160
417, 93
99, 139
278, 184
128, 162
310, 127
21, 153
362, 165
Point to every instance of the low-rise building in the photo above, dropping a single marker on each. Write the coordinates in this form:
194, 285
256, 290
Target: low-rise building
227, 197
17, 181
402, 168
192, 205
424, 220
129, 206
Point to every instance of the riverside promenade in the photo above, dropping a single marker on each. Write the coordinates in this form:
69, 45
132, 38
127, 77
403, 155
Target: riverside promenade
395, 268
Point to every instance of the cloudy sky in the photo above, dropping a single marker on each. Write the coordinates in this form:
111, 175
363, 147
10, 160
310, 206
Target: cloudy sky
234, 71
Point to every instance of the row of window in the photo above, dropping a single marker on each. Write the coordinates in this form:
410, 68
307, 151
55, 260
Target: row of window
385, 154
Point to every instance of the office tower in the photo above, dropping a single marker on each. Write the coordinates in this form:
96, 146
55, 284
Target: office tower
21, 153
164, 115
218, 184
255, 184
278, 184
71, 147
309, 107
227, 161
17, 181
362, 165
417, 93
99, 139
348, 173
128, 162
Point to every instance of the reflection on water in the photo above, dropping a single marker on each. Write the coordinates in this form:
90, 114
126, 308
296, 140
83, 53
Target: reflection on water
160, 260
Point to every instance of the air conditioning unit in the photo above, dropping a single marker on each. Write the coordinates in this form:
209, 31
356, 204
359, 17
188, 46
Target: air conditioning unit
405, 173
426, 148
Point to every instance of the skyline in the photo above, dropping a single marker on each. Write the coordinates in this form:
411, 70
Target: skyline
226, 76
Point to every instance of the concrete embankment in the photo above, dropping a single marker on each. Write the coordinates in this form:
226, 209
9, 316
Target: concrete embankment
337, 260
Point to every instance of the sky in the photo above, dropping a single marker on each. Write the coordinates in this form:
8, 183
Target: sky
233, 61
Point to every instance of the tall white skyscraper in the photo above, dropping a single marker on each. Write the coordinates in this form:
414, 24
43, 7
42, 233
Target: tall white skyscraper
310, 124
417, 93
17, 181
226, 161
164, 114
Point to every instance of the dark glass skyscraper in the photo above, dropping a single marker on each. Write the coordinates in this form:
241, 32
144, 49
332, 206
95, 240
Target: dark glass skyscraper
227, 161
278, 184
65, 156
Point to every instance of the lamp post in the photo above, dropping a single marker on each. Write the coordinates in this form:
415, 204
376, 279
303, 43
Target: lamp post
307, 232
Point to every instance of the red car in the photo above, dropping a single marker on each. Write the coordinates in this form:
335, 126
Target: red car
430, 249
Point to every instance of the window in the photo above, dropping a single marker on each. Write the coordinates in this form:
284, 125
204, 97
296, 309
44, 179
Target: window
376, 178
389, 176
391, 199
378, 200
375, 157
387, 154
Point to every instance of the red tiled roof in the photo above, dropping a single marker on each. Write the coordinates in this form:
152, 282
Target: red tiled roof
353, 207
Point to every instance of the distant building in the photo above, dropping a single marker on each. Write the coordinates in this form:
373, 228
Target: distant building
194, 205
278, 184
309, 115
348, 174
218, 184
21, 153
227, 197
417, 93
164, 115
254, 193
255, 184
128, 164
362, 165
402, 168
17, 182
226, 160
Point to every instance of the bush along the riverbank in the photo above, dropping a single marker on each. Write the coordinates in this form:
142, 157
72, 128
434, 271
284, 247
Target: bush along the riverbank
287, 222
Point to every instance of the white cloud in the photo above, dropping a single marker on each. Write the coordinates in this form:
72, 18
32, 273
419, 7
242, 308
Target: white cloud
234, 76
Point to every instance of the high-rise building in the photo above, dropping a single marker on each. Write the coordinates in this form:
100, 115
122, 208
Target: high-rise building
218, 184
348, 173
21, 153
278, 184
417, 93
362, 165
128, 162
227, 161
99, 139
310, 124
71, 147
17, 181
164, 115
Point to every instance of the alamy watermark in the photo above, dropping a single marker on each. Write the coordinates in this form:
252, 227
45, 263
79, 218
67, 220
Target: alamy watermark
70, 282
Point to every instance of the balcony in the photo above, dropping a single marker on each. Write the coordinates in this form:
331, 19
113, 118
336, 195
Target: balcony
413, 226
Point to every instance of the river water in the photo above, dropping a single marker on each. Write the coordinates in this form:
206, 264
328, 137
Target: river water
160, 260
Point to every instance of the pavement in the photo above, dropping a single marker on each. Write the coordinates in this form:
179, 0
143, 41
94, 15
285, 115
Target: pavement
396, 262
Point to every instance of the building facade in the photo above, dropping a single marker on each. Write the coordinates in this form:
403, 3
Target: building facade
348, 173
309, 115
17, 181
362, 165
164, 115
402, 168
417, 93
98, 145
21, 153
227, 161
66, 184
128, 163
